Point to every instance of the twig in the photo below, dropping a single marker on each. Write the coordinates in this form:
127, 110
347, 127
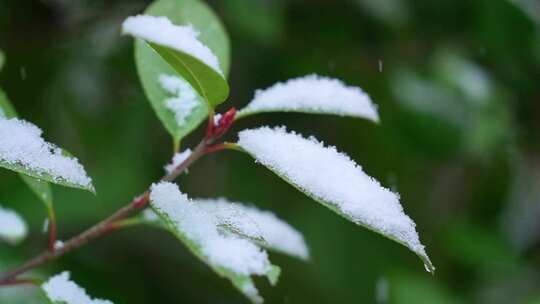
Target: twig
110, 224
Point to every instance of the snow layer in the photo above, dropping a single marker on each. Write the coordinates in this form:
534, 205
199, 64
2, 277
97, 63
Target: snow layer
256, 224
184, 99
160, 30
21, 144
12, 227
313, 94
202, 228
178, 159
60, 289
335, 180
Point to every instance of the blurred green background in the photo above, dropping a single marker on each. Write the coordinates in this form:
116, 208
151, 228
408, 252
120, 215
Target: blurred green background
458, 89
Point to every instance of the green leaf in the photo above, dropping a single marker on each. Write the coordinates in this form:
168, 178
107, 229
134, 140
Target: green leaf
35, 179
40, 188
150, 67
199, 235
153, 60
6, 109
209, 83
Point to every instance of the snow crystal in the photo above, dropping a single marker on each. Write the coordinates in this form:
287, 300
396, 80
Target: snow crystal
12, 227
21, 144
334, 179
313, 94
178, 159
160, 30
45, 227
228, 251
149, 215
257, 224
217, 118
58, 245
60, 289
185, 99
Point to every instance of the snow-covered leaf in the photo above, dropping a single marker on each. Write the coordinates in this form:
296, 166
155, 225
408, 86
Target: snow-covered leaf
228, 255
13, 229
41, 188
23, 150
153, 70
313, 94
61, 290
334, 180
179, 45
264, 227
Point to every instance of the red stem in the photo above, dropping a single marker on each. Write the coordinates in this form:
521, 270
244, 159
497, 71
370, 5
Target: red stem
52, 232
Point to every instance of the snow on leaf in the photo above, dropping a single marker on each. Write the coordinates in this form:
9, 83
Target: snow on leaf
162, 31
60, 289
13, 229
178, 159
313, 94
334, 180
228, 255
262, 226
41, 188
22, 149
185, 99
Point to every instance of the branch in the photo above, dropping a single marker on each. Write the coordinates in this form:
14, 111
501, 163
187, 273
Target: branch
105, 226
110, 224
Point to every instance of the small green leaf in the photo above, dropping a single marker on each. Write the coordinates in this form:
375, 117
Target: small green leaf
151, 67
153, 59
38, 184
6, 109
209, 83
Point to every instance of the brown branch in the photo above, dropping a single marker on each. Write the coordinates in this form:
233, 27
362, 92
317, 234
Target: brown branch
105, 226
108, 225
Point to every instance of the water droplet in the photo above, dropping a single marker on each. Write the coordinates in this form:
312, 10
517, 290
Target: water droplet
22, 71
382, 294
429, 268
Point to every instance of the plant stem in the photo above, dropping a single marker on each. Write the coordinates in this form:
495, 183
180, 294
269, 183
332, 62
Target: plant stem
105, 226
52, 228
